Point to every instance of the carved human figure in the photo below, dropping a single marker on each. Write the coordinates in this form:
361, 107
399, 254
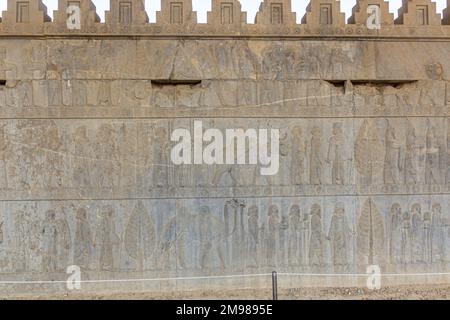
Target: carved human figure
315, 157
83, 245
1, 232
392, 162
335, 155
395, 228
339, 234
298, 156
64, 239
253, 236
432, 157
49, 242
5, 148
106, 151
438, 248
411, 155
106, 239
172, 242
406, 247
416, 233
295, 236
6, 66
211, 239
272, 235
22, 241
54, 159
317, 237
81, 154
283, 244
427, 237
160, 158
234, 231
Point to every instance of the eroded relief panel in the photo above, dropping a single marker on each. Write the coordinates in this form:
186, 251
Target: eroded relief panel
86, 176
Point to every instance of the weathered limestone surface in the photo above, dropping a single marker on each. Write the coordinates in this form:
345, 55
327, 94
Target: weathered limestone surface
85, 171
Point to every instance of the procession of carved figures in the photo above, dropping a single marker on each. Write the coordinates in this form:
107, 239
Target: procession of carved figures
94, 155
233, 235
100, 73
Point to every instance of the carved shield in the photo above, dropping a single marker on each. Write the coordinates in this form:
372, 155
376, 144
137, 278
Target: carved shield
370, 238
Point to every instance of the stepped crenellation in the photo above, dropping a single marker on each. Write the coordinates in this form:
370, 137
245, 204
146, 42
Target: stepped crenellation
417, 18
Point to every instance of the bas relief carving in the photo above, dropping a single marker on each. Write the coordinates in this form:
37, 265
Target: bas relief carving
86, 176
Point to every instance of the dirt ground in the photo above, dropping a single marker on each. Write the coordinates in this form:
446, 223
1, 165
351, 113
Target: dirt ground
421, 292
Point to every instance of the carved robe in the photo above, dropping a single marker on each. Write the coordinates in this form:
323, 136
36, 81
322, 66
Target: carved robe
316, 242
339, 235
336, 158
432, 158
392, 162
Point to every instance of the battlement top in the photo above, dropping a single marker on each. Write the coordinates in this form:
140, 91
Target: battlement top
323, 18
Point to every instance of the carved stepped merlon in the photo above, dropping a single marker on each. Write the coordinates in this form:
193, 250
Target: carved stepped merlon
418, 13
275, 13
323, 13
360, 12
88, 14
446, 17
176, 13
226, 13
126, 13
25, 16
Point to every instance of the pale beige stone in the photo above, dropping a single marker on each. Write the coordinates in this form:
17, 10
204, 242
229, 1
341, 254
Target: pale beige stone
324, 13
418, 13
360, 15
275, 13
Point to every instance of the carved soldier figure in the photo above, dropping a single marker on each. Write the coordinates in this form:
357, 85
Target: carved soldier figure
83, 245
106, 238
336, 155
432, 157
339, 235
295, 236
317, 237
392, 162
315, 157
411, 155
395, 240
437, 235
298, 155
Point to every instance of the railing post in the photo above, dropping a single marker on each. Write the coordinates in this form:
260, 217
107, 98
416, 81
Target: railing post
274, 286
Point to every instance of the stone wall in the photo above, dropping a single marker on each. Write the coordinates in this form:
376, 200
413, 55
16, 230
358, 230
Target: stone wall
85, 124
